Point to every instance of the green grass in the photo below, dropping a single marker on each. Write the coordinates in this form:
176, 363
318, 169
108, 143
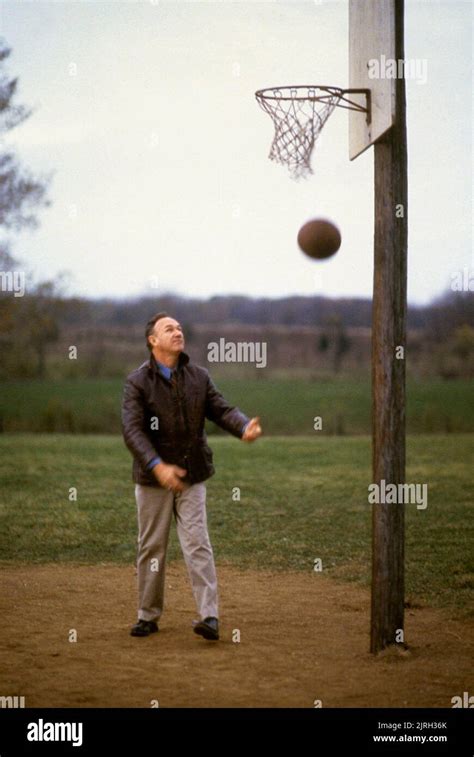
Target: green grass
286, 406
301, 499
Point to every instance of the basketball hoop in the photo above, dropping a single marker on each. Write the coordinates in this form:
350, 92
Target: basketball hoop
299, 114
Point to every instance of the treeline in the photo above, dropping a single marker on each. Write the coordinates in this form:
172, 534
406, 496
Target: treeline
322, 335
445, 314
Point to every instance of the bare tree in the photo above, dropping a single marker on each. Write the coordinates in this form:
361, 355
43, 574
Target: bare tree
20, 191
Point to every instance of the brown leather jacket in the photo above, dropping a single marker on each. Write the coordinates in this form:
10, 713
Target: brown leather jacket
166, 419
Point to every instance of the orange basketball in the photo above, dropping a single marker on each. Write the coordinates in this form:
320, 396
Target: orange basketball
319, 238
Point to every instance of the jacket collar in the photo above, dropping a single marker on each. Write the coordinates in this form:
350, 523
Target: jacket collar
182, 361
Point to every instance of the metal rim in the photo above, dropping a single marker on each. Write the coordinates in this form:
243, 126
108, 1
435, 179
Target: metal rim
327, 90
269, 93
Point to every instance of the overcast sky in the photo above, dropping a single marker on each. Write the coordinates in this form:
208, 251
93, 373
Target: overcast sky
145, 112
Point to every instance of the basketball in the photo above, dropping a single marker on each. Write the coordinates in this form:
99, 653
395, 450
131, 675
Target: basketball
319, 238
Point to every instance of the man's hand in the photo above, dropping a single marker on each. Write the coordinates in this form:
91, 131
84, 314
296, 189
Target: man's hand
170, 476
253, 430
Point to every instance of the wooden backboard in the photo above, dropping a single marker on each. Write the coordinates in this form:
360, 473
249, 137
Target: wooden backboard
371, 52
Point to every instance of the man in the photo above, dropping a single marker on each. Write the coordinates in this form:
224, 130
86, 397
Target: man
165, 403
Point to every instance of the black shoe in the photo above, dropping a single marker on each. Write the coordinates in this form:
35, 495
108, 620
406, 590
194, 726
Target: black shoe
208, 628
144, 628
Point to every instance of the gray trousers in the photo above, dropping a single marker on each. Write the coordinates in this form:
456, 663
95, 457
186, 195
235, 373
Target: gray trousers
155, 507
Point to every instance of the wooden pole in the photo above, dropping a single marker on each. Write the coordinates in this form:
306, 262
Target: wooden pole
388, 372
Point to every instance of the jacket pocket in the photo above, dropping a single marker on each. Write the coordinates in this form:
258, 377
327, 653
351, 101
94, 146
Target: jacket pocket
200, 463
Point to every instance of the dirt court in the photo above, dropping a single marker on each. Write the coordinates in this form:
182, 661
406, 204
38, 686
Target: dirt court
302, 638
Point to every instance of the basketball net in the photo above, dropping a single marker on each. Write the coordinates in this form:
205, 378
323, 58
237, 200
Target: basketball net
298, 114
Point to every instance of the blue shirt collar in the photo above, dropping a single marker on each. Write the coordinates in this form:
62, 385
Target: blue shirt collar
164, 369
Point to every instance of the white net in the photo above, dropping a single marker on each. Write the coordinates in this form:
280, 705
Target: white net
298, 114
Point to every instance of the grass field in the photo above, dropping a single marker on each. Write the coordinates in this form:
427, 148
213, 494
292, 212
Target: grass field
287, 406
301, 499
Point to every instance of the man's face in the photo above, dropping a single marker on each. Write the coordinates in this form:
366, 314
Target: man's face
167, 336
